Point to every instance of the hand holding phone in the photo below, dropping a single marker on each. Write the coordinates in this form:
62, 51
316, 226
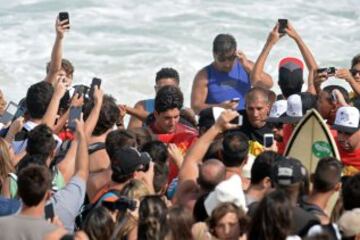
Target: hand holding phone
75, 113
49, 212
268, 140
9, 113
282, 25
95, 82
64, 16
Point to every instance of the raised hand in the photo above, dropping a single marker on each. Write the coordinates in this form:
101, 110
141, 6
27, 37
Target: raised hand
223, 122
61, 27
291, 31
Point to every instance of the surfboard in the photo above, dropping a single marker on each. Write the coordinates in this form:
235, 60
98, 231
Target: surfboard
310, 141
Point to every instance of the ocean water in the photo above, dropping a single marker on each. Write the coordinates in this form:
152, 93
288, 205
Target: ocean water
126, 42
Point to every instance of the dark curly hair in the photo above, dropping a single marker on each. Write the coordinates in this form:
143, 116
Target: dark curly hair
109, 113
168, 97
167, 73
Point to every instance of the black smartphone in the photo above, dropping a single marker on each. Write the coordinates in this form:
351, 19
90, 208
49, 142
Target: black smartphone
268, 140
329, 70
282, 25
75, 113
95, 82
64, 16
10, 112
49, 212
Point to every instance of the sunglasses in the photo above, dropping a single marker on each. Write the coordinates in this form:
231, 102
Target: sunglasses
354, 72
224, 58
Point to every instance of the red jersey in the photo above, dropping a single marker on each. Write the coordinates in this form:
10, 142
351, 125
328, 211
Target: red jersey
183, 137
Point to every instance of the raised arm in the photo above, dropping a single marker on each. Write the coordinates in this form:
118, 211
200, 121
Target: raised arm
261, 78
82, 155
52, 110
306, 53
345, 74
189, 169
93, 117
56, 54
138, 115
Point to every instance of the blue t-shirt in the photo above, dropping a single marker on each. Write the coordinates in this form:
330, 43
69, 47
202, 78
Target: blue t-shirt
223, 86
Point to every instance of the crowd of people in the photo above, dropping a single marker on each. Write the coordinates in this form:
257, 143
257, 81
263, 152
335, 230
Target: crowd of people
177, 172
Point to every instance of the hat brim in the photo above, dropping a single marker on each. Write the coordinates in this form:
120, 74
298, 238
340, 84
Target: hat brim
288, 119
274, 120
344, 129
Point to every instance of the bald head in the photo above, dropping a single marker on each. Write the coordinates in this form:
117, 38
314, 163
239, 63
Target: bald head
211, 173
257, 93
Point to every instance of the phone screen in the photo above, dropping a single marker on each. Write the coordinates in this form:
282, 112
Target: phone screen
268, 140
282, 25
75, 113
12, 108
95, 82
49, 211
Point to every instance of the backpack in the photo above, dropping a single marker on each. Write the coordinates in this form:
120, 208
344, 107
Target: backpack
87, 208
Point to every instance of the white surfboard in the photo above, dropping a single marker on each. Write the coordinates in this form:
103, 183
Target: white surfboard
311, 140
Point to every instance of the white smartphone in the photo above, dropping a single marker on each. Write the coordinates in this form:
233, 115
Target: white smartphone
268, 140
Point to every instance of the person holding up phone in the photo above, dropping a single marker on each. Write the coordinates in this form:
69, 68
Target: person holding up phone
290, 69
227, 77
59, 67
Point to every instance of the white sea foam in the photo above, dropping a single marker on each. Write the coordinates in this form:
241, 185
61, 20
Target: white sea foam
127, 42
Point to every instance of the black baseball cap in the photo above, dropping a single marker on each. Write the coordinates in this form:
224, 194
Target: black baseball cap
127, 160
287, 171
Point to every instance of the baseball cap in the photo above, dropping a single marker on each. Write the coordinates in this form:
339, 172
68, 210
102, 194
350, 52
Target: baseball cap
349, 223
277, 110
291, 71
229, 190
127, 160
347, 119
287, 171
297, 106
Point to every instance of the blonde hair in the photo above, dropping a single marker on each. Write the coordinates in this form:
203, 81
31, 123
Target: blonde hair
5, 162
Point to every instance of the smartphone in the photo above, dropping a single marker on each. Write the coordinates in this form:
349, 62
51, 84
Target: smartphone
238, 120
329, 70
49, 212
282, 25
268, 140
95, 82
64, 16
75, 113
235, 100
9, 113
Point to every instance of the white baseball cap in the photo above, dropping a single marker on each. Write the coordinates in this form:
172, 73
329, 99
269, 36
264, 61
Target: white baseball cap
294, 111
347, 119
229, 190
277, 110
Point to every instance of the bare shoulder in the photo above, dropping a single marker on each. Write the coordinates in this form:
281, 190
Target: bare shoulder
140, 105
201, 76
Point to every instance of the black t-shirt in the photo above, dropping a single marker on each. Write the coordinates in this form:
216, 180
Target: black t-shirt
254, 134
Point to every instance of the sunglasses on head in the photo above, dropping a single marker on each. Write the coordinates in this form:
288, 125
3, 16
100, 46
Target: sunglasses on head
224, 58
354, 72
